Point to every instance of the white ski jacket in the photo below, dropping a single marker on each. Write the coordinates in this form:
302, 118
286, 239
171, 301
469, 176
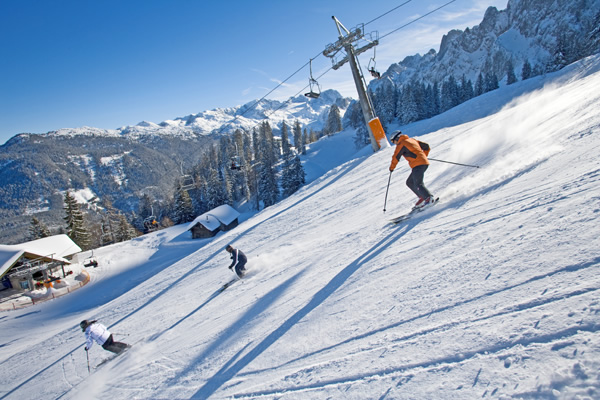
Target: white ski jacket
97, 332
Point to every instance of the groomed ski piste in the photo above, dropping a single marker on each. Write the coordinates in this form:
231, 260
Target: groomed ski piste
494, 292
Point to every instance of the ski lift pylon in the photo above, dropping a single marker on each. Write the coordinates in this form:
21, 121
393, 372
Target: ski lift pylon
313, 84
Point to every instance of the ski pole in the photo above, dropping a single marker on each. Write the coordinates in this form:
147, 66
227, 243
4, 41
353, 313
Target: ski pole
386, 191
455, 163
88, 359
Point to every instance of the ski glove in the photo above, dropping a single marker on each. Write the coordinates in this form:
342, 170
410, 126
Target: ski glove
86, 349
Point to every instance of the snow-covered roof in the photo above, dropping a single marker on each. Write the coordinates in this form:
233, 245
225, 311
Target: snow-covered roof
57, 246
208, 221
225, 213
53, 247
9, 255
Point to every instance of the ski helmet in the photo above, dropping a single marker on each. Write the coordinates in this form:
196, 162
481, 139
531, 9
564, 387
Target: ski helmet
84, 324
396, 136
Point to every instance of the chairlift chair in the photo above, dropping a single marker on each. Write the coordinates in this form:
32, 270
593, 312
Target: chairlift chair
236, 160
187, 182
236, 163
313, 84
90, 261
150, 224
371, 68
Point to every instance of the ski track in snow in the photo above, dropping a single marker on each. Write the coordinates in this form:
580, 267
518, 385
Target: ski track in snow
494, 292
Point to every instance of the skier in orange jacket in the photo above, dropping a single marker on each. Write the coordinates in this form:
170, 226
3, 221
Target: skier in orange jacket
415, 152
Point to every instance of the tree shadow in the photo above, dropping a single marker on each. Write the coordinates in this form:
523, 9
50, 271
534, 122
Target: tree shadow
230, 370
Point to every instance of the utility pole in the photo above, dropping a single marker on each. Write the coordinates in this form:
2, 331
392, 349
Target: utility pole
346, 41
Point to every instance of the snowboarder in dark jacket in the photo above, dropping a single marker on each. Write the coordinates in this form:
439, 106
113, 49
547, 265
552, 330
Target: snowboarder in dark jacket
415, 152
95, 331
239, 260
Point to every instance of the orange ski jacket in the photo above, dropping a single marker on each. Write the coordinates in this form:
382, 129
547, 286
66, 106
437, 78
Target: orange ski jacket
413, 150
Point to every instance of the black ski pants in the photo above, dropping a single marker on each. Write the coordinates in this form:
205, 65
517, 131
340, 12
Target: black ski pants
115, 347
415, 181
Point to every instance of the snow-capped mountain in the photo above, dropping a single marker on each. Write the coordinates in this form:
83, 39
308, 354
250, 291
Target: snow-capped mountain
546, 34
311, 113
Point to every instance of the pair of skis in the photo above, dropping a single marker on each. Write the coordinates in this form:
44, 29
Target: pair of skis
225, 286
412, 212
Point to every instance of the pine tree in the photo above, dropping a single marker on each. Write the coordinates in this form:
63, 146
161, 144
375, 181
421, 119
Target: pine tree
285, 142
435, 95
38, 229
361, 138
491, 82
110, 221
312, 136
510, 73
256, 144
145, 208
450, 95
299, 139
334, 121
292, 176
124, 230
594, 35
247, 148
561, 58
388, 104
419, 98
184, 210
466, 89
407, 109
479, 85
216, 194
267, 184
76, 227
305, 140
526, 70
268, 191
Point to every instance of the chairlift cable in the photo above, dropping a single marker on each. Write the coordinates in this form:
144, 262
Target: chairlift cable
386, 13
297, 94
277, 87
417, 19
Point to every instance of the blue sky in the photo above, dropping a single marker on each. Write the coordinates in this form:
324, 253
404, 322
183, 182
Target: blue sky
112, 63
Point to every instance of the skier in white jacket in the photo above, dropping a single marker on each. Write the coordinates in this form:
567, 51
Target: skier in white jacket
95, 331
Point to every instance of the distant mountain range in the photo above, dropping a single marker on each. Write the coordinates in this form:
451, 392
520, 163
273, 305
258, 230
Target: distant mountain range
123, 164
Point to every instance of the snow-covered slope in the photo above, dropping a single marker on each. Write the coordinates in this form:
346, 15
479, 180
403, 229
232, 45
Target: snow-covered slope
493, 293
